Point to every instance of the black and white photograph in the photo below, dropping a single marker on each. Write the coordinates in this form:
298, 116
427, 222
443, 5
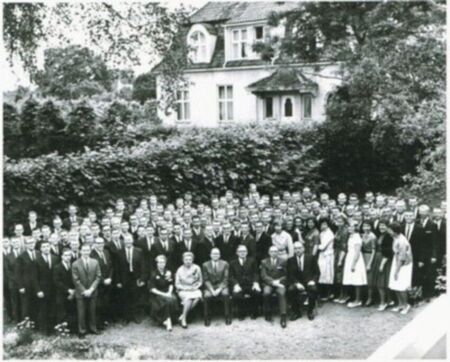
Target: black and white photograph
224, 180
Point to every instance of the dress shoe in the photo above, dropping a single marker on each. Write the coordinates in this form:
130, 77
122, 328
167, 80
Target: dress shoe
295, 316
241, 317
406, 309
254, 316
228, 321
283, 321
81, 335
269, 318
207, 322
311, 316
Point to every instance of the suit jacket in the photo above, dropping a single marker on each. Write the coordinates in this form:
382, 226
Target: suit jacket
244, 275
44, 276
309, 272
429, 240
250, 243
441, 239
262, 246
84, 279
62, 279
170, 253
27, 230
106, 268
420, 250
215, 279
67, 223
148, 253
270, 272
228, 249
9, 265
125, 276
181, 248
204, 250
25, 271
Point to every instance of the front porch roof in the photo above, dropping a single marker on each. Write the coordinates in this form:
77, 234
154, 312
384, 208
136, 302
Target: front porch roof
282, 80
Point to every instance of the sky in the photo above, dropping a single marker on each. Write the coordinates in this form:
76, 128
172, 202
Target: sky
14, 76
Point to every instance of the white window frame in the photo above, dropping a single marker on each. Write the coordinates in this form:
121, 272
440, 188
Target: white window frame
309, 96
199, 47
225, 102
183, 106
239, 44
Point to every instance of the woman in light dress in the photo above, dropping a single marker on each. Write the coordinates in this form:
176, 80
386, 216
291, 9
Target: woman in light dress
326, 259
401, 269
354, 267
188, 281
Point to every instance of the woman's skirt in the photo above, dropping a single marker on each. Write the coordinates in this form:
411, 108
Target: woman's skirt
189, 294
163, 308
403, 281
326, 267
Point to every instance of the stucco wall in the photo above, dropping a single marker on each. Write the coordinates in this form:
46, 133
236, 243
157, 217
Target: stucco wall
203, 88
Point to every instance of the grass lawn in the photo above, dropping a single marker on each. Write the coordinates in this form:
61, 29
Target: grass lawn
337, 332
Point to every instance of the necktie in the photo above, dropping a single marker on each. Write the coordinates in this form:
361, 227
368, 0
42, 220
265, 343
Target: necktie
49, 261
32, 256
300, 266
188, 246
86, 265
66, 266
215, 266
130, 259
102, 254
273, 262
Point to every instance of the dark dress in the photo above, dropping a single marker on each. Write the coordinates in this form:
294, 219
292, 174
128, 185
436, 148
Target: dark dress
383, 250
340, 245
162, 307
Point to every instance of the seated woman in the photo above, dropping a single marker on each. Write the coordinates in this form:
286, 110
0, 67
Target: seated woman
188, 281
163, 302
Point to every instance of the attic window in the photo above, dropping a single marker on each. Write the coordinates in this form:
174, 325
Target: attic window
259, 32
197, 42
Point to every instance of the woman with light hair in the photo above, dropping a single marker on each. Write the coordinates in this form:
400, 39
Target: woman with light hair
188, 281
163, 302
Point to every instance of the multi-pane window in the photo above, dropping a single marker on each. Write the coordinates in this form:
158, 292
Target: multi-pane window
182, 106
307, 105
225, 103
197, 43
239, 44
259, 32
288, 107
268, 111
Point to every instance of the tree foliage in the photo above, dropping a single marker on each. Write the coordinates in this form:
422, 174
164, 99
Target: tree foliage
144, 87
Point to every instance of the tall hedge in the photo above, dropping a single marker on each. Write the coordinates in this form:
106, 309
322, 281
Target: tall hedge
202, 161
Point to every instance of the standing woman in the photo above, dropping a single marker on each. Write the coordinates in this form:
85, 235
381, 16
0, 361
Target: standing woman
163, 302
340, 250
311, 237
368, 251
326, 259
401, 269
188, 281
354, 267
382, 264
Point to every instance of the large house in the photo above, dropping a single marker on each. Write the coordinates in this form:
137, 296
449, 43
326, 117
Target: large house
228, 82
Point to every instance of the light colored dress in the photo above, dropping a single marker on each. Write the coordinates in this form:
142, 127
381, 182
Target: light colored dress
284, 244
359, 276
403, 255
326, 257
188, 282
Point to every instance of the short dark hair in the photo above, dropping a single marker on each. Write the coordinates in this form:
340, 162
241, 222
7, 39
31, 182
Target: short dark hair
396, 227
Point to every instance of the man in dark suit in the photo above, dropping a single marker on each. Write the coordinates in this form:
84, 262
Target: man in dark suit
7, 290
244, 283
414, 234
165, 246
186, 244
64, 290
248, 240
227, 243
45, 288
146, 244
263, 242
302, 275
215, 278
55, 247
32, 223
104, 289
10, 262
86, 275
115, 248
73, 218
441, 236
25, 272
131, 270
274, 278
205, 246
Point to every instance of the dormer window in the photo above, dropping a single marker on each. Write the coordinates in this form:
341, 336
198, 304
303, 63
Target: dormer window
239, 44
197, 42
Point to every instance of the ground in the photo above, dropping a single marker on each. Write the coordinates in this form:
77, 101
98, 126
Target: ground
336, 333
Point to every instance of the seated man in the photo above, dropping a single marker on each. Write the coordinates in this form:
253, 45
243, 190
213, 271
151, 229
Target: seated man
273, 276
302, 275
215, 277
244, 282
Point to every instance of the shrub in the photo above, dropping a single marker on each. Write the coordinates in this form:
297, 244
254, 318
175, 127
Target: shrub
203, 161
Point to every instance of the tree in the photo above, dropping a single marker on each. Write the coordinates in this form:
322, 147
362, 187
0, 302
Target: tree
11, 133
73, 72
49, 131
144, 87
28, 120
81, 130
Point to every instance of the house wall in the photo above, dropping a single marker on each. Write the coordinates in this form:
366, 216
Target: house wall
204, 99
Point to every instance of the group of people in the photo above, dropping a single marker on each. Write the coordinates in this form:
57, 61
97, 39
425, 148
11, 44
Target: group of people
293, 250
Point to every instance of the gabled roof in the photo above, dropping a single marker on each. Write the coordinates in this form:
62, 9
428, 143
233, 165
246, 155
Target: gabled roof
236, 12
284, 79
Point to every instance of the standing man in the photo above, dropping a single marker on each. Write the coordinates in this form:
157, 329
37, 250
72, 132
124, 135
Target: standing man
86, 275
45, 288
215, 278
